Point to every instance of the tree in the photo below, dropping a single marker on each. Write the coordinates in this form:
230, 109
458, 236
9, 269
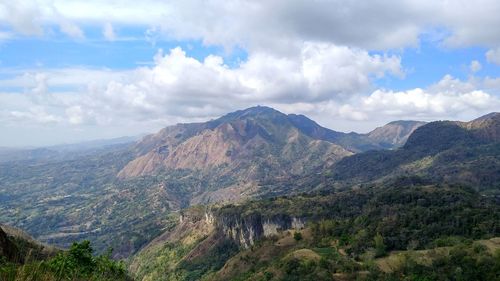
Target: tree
297, 236
379, 245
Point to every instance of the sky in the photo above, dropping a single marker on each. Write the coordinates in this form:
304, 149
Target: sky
76, 70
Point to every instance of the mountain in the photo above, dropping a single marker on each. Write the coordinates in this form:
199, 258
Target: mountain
395, 133
247, 139
121, 195
254, 146
432, 196
409, 197
287, 198
239, 154
486, 127
465, 152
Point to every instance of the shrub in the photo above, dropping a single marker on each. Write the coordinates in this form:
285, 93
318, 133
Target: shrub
297, 236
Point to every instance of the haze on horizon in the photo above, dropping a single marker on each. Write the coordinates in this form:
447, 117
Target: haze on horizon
78, 70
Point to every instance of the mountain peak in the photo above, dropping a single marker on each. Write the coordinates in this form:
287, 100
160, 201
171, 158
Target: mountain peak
238, 139
258, 110
254, 111
489, 116
486, 127
395, 133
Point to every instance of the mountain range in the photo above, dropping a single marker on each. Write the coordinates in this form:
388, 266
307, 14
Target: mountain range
104, 193
263, 173
250, 147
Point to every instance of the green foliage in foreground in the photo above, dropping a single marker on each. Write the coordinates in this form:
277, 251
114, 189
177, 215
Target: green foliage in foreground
77, 263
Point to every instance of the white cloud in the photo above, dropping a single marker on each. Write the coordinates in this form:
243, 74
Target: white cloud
327, 82
475, 66
418, 102
23, 16
277, 26
35, 114
493, 56
179, 85
448, 99
71, 29
321, 67
108, 32
30, 17
471, 22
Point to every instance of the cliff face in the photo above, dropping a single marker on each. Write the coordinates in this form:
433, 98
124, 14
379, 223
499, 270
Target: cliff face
247, 229
244, 230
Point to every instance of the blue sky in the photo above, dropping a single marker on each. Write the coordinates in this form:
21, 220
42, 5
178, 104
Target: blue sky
78, 70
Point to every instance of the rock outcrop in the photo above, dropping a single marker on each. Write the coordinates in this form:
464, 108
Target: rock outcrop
246, 230
395, 133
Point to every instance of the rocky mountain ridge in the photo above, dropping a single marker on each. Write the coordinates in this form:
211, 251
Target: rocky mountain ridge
465, 152
235, 137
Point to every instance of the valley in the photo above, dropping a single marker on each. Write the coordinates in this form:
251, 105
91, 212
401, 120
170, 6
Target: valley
120, 195
261, 195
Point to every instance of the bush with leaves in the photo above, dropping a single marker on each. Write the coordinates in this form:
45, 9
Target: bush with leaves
79, 262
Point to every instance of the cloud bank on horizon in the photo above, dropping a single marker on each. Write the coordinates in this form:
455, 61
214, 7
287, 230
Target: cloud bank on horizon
74, 70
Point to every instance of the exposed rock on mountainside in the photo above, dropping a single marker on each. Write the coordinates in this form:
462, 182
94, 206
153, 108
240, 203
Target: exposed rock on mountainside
395, 133
242, 142
257, 134
249, 138
247, 230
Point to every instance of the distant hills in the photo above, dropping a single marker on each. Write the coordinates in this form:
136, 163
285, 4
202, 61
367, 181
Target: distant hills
64, 151
442, 151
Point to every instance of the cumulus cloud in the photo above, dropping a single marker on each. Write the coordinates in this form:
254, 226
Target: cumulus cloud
30, 17
277, 26
327, 82
323, 67
179, 85
418, 102
23, 16
34, 114
449, 98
